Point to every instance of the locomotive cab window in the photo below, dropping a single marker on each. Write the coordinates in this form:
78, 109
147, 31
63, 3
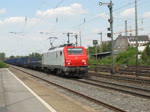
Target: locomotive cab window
75, 51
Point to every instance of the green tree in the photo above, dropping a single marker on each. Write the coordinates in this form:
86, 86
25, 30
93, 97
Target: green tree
11, 57
2, 56
146, 55
107, 46
92, 49
36, 55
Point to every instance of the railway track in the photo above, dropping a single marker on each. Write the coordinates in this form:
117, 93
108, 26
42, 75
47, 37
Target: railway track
119, 77
143, 71
111, 107
145, 93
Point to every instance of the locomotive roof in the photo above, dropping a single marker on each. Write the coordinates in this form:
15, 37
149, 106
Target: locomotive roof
56, 49
64, 45
59, 48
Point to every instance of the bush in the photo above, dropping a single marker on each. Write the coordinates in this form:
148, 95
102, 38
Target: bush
105, 61
3, 65
127, 57
146, 55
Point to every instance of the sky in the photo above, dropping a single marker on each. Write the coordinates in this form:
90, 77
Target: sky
26, 25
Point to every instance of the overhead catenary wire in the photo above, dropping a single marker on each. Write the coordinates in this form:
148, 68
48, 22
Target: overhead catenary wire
40, 20
59, 3
90, 19
87, 21
106, 14
44, 17
113, 11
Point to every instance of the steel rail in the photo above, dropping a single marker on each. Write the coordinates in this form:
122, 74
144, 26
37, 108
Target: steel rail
125, 78
120, 90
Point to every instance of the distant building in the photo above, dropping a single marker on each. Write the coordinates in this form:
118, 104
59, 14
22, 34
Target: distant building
122, 42
142, 40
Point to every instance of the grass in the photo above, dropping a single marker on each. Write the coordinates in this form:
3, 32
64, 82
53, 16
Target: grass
3, 65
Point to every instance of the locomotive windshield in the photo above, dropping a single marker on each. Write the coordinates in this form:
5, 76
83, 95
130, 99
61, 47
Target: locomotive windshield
75, 51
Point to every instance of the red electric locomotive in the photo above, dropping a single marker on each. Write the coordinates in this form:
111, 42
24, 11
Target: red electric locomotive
66, 60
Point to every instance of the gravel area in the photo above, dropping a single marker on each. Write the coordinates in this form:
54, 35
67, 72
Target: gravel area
124, 101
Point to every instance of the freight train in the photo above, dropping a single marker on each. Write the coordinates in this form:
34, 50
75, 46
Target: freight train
62, 60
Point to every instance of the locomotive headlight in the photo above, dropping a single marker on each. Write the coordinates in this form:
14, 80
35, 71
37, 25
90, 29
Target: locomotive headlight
68, 63
83, 60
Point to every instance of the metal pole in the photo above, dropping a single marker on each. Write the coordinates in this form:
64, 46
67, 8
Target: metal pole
68, 38
96, 57
68, 34
112, 41
96, 52
110, 6
136, 36
126, 34
88, 51
101, 45
76, 36
80, 38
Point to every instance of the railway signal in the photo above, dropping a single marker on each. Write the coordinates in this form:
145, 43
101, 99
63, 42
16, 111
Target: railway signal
110, 6
95, 42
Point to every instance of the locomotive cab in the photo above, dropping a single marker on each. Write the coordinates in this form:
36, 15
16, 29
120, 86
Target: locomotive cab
76, 60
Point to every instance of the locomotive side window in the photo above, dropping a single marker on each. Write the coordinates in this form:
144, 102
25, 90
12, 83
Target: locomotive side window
75, 51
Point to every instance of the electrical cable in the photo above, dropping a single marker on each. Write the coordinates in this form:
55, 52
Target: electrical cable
106, 14
44, 17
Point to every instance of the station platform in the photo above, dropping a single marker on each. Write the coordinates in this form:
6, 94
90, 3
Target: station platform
16, 96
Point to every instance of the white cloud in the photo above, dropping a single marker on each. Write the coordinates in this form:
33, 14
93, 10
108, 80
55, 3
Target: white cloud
103, 15
146, 15
14, 19
1, 22
74, 9
128, 12
32, 21
2, 11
